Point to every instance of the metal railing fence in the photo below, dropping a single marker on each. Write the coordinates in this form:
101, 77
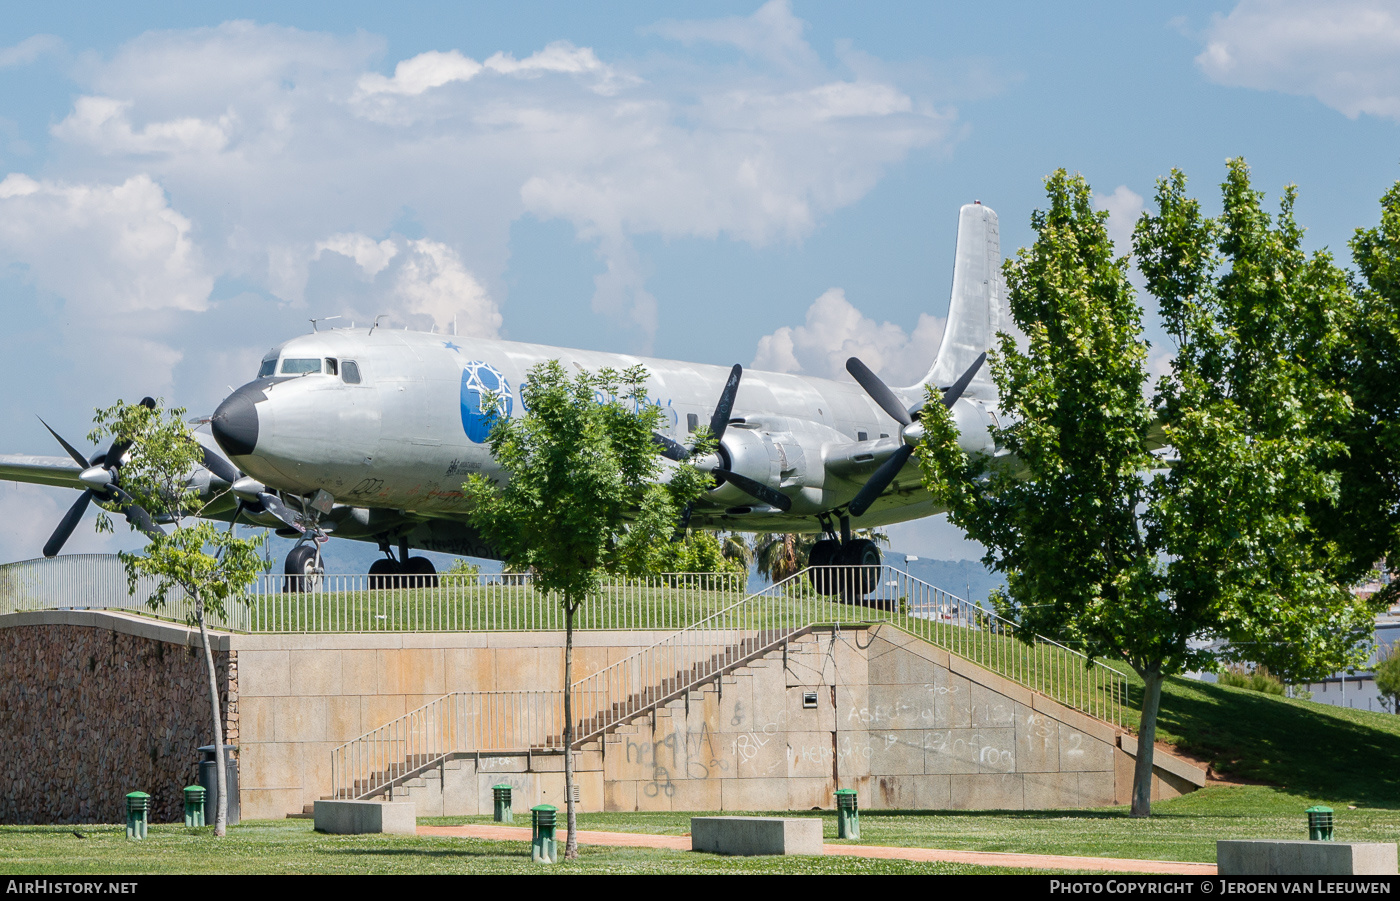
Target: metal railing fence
98, 582
509, 603
363, 603
483, 721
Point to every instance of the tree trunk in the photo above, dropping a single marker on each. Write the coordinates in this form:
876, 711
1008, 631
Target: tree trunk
571, 846
220, 776
1147, 736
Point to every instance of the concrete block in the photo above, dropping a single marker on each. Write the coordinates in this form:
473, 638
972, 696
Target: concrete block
952, 751
911, 706
754, 794
853, 753
809, 754
459, 794
360, 817
991, 707
1168, 763
263, 674
952, 702
359, 671
756, 835
907, 793
620, 795
1298, 858
988, 792
1046, 791
696, 794
314, 672
810, 792
522, 795
1080, 753
1037, 741
897, 753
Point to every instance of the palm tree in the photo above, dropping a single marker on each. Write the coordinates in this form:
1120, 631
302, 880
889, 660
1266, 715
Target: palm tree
782, 554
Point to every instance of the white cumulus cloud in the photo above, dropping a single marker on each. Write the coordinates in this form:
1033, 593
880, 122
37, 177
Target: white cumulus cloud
105, 248
835, 331
269, 139
1345, 53
433, 282
1124, 206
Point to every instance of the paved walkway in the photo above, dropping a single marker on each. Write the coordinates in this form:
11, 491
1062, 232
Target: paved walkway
979, 858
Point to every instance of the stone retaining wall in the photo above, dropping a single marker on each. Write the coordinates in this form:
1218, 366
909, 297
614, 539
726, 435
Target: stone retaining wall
93, 706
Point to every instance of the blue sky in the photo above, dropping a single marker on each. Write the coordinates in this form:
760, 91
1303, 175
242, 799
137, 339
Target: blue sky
183, 186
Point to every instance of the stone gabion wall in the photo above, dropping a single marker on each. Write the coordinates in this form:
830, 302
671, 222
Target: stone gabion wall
89, 714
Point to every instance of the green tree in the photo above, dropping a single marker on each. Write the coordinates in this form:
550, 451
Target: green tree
1388, 677
1365, 523
196, 559
1131, 566
584, 494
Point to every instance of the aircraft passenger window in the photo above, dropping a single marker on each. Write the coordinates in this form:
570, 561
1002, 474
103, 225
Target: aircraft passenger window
268, 367
350, 373
300, 367
330, 366
692, 421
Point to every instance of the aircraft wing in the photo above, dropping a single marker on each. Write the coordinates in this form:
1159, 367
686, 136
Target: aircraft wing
59, 471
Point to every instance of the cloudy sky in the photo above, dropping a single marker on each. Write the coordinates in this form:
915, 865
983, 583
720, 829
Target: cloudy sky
775, 185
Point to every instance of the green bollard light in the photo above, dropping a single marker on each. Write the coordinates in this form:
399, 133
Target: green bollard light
1319, 823
543, 847
847, 814
502, 812
138, 811
194, 806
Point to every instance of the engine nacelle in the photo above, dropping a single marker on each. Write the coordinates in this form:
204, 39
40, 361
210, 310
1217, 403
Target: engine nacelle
751, 453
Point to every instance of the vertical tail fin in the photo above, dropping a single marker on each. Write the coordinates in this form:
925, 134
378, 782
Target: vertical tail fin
978, 308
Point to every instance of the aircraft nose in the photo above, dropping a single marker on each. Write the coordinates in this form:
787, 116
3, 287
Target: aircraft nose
235, 422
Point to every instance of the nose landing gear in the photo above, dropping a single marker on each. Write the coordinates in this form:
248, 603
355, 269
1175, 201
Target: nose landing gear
304, 569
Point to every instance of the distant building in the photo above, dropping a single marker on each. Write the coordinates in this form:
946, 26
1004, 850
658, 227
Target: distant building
1358, 689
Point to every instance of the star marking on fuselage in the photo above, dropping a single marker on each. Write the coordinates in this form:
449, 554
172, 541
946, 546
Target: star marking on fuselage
450, 346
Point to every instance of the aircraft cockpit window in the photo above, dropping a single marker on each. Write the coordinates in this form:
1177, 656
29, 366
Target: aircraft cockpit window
330, 366
350, 372
300, 367
268, 367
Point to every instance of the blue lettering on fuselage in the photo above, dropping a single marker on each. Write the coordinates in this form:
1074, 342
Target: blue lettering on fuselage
480, 382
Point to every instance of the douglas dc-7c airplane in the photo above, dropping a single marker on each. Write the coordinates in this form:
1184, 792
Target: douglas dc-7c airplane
368, 434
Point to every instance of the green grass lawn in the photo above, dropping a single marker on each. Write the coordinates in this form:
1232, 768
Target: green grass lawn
1338, 755
292, 847
1184, 829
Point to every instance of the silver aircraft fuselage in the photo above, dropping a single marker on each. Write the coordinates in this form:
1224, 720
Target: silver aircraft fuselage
402, 426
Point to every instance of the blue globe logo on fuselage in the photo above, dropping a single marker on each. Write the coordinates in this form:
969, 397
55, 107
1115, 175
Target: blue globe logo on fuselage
481, 380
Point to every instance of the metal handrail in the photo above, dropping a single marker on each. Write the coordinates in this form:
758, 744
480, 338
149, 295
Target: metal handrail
721, 641
497, 722
98, 582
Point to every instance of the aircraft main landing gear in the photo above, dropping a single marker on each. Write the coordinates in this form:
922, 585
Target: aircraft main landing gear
846, 567
413, 572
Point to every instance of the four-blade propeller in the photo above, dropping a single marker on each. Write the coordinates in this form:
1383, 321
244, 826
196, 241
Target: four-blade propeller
100, 473
910, 431
715, 464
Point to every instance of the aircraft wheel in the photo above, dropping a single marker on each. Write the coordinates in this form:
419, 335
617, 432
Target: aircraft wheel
861, 559
303, 573
421, 573
383, 573
824, 554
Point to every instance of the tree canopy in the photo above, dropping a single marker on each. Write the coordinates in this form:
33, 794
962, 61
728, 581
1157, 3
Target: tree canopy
197, 559
584, 492
1130, 557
